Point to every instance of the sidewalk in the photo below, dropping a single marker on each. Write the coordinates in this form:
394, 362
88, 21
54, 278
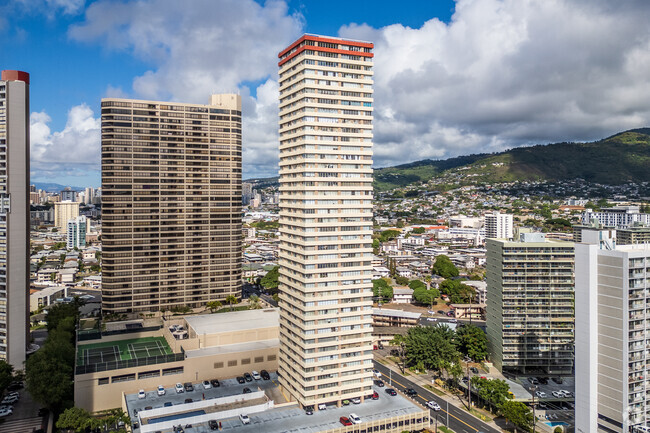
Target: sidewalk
425, 380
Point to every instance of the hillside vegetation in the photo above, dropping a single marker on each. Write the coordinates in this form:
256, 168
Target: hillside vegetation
615, 160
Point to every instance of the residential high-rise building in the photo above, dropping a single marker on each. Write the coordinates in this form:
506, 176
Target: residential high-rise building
64, 211
77, 228
616, 216
612, 373
247, 193
498, 226
14, 217
326, 95
530, 317
171, 203
89, 195
67, 194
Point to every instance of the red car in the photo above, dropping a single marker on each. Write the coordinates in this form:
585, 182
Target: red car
375, 396
345, 420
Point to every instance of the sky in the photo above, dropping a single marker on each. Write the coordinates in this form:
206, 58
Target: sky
451, 77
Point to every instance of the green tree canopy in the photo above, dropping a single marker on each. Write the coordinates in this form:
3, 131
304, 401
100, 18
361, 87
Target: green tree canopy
270, 280
426, 297
458, 292
388, 235
415, 284
381, 289
431, 347
6, 375
402, 281
472, 341
444, 267
493, 393
517, 413
418, 230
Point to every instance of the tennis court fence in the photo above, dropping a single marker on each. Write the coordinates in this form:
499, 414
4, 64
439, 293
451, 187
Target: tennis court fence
129, 363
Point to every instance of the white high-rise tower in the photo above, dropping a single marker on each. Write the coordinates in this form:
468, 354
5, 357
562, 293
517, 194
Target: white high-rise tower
326, 219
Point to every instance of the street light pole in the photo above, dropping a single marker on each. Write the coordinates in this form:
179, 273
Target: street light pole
533, 389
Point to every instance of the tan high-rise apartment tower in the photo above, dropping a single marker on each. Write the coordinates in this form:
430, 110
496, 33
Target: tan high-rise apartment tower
65, 211
171, 203
14, 217
326, 219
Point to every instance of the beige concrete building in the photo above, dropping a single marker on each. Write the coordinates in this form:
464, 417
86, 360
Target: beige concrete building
213, 346
326, 189
65, 211
14, 217
530, 301
171, 203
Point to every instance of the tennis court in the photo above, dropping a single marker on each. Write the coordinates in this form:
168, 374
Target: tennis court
89, 354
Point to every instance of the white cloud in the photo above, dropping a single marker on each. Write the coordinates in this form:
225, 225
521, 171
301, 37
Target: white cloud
73, 151
210, 47
508, 73
49, 7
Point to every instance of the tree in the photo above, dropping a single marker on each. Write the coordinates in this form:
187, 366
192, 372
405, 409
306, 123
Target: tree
254, 302
49, 380
231, 299
399, 340
375, 246
418, 230
471, 341
58, 312
458, 292
426, 297
213, 305
444, 267
388, 235
518, 413
270, 280
402, 281
6, 375
431, 346
415, 284
74, 418
381, 289
492, 393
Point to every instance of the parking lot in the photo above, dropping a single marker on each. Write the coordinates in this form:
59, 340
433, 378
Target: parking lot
280, 419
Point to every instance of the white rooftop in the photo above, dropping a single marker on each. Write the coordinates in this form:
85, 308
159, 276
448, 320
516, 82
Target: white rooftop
234, 321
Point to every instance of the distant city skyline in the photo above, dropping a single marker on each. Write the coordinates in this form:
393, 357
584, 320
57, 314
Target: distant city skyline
454, 78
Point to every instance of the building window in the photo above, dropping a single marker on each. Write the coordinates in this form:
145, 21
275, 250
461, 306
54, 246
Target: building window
232, 363
245, 361
102, 381
270, 358
218, 365
173, 370
147, 374
123, 378
259, 359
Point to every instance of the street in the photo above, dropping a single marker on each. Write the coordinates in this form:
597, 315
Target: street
456, 419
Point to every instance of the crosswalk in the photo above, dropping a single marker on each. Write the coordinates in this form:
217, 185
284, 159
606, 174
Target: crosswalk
24, 425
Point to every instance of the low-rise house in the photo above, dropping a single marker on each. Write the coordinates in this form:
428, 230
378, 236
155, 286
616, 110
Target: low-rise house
380, 272
46, 296
402, 295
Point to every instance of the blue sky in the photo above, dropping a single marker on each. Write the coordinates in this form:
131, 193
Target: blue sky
451, 77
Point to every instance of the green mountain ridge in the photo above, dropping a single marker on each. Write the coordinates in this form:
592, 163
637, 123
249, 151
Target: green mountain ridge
621, 158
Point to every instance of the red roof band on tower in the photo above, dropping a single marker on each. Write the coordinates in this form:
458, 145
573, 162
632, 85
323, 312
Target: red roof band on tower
10, 75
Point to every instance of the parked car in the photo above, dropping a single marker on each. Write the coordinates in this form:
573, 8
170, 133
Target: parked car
188, 387
179, 388
533, 381
558, 380
248, 377
13, 386
168, 404
244, 419
433, 405
376, 373
355, 400
431, 319
540, 394
215, 383
345, 421
345, 402
474, 370
213, 424
309, 410
5, 412
557, 394
265, 375
379, 383
247, 390
240, 379
161, 390
207, 384
322, 406
391, 391
256, 375
543, 380
354, 418
188, 400
375, 396
141, 394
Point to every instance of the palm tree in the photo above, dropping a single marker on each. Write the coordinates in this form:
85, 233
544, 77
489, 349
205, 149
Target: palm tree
400, 340
213, 305
254, 302
231, 299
